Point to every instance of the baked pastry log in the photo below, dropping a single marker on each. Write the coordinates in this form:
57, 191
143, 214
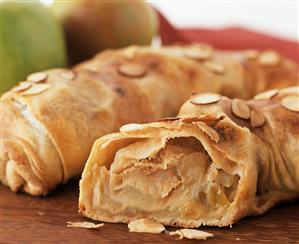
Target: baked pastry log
50, 122
219, 161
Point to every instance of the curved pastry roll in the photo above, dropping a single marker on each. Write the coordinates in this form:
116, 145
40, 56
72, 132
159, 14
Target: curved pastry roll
49, 122
219, 161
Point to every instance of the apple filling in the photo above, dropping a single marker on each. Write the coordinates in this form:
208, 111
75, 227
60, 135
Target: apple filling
178, 180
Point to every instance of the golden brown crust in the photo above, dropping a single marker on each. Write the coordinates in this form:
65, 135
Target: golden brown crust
209, 166
61, 112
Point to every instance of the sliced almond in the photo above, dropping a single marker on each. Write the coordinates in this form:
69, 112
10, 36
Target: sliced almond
267, 94
240, 109
69, 75
256, 119
22, 86
251, 54
130, 53
132, 70
37, 77
206, 118
92, 68
86, 225
199, 53
36, 89
291, 103
213, 134
191, 119
205, 98
215, 67
131, 127
168, 119
146, 226
191, 234
269, 58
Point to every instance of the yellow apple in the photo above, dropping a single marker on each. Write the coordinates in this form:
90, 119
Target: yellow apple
93, 25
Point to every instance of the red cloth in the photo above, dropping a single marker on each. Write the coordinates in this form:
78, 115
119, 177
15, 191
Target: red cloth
229, 38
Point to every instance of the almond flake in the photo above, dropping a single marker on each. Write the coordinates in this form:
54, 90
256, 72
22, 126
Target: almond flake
269, 58
37, 77
267, 94
22, 86
92, 68
191, 119
240, 109
130, 53
168, 119
191, 234
256, 119
199, 53
206, 118
213, 134
131, 127
146, 226
251, 54
291, 103
205, 98
36, 89
132, 70
86, 225
69, 75
214, 66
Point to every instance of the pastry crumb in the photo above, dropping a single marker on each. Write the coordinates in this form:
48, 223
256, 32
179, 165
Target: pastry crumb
87, 225
191, 234
146, 226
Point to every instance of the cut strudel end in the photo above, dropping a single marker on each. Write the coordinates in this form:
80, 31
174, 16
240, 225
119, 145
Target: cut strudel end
219, 161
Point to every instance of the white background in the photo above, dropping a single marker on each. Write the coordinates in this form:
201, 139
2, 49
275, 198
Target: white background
278, 18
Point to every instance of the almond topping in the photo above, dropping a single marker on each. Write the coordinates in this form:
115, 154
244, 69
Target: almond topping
199, 53
240, 109
132, 70
291, 103
251, 54
191, 119
130, 53
168, 119
267, 94
214, 66
205, 98
86, 225
22, 86
36, 89
131, 127
213, 134
146, 226
191, 234
92, 68
69, 75
206, 118
256, 119
37, 77
269, 58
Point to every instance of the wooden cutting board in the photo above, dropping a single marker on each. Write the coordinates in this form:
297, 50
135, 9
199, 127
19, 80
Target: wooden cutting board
26, 219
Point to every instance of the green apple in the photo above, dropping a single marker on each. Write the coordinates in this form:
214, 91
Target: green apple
91, 26
31, 40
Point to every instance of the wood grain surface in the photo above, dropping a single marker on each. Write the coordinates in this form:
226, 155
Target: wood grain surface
26, 219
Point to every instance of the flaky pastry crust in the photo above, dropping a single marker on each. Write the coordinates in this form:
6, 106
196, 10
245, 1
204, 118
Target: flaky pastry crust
50, 121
